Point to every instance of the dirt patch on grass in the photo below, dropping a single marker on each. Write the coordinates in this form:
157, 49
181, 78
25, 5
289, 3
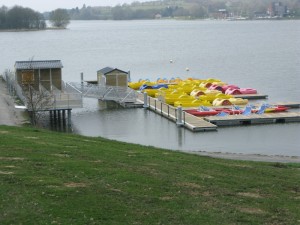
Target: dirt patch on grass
252, 210
11, 158
62, 155
10, 166
4, 131
75, 185
71, 146
115, 190
206, 193
243, 166
86, 140
97, 161
151, 164
166, 198
6, 172
189, 185
205, 176
31, 137
249, 194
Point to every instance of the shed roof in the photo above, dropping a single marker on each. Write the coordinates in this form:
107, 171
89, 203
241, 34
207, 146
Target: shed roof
108, 69
43, 64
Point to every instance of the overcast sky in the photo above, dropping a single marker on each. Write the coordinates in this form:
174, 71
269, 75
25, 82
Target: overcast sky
49, 5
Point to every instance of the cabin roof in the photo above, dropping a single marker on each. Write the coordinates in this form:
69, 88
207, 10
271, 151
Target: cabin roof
43, 64
108, 69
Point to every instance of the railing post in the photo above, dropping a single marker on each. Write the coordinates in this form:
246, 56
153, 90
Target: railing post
145, 100
179, 116
161, 110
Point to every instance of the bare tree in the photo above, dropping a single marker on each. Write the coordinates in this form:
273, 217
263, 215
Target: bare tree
38, 101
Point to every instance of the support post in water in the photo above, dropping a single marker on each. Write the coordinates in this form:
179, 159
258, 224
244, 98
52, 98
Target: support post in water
81, 81
69, 117
179, 116
145, 100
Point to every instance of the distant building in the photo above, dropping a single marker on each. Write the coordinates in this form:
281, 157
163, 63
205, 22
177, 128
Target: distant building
221, 14
260, 15
158, 16
277, 9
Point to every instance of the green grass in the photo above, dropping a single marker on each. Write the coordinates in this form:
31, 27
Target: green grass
56, 178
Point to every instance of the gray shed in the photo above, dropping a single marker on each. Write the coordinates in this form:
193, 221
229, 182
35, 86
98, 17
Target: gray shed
112, 77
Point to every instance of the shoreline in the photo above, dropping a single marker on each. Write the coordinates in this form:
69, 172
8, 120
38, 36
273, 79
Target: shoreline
10, 116
29, 30
250, 157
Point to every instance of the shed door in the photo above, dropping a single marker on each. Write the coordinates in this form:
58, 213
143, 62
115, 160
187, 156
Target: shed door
27, 77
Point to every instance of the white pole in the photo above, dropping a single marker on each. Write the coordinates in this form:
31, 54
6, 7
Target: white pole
145, 100
179, 116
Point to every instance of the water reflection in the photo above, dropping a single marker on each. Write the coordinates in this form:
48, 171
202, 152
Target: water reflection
144, 127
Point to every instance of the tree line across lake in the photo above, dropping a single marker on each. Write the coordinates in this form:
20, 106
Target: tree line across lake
192, 9
19, 17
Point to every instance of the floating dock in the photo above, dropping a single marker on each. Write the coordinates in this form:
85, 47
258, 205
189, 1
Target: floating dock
266, 118
252, 96
211, 123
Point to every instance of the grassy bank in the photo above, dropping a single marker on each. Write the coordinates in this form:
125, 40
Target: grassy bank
55, 178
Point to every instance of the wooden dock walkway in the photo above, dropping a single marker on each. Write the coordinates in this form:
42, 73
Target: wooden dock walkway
266, 118
251, 96
189, 121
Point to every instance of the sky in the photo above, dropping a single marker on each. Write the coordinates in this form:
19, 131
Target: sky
49, 5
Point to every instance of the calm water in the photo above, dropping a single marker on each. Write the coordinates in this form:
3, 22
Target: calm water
259, 54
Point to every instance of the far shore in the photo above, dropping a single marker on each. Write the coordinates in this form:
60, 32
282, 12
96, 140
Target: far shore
27, 30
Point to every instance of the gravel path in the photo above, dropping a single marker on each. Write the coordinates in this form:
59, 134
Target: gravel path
8, 115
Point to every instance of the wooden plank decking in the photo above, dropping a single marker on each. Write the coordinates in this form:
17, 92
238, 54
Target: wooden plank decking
265, 118
189, 121
288, 104
252, 96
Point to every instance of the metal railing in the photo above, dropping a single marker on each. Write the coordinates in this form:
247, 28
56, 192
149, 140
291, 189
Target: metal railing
67, 98
114, 93
166, 110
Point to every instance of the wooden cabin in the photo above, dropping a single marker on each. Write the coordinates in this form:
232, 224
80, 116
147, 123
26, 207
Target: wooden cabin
112, 77
46, 73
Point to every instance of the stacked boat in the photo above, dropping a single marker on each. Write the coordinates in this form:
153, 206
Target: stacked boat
234, 110
192, 92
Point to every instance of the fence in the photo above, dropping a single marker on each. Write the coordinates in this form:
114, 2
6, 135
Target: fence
114, 93
166, 110
67, 98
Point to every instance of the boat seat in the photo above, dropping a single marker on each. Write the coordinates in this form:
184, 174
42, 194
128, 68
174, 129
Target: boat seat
222, 113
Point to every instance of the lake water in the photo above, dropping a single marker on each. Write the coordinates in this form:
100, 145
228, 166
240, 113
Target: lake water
261, 54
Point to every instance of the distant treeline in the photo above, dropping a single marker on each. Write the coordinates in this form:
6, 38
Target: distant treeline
21, 18
180, 8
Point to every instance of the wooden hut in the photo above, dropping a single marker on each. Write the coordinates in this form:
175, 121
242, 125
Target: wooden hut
112, 77
46, 73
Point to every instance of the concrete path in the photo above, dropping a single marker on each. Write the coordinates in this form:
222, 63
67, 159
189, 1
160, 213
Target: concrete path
8, 114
